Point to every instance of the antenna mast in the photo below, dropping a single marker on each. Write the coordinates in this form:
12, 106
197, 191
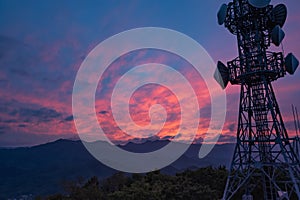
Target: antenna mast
295, 120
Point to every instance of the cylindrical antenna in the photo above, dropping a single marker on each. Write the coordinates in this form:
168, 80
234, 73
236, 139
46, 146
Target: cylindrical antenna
297, 119
296, 127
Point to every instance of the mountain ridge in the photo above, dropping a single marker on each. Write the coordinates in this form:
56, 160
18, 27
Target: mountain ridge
41, 169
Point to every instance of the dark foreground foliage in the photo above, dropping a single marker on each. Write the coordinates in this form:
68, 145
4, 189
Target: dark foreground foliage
204, 183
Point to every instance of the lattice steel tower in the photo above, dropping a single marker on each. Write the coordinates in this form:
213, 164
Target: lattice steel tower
264, 156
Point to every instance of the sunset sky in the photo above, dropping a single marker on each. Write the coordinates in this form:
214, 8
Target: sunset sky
43, 43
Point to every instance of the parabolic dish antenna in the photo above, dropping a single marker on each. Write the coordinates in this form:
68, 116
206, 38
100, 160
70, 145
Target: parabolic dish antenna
222, 14
280, 14
221, 75
291, 63
277, 35
259, 3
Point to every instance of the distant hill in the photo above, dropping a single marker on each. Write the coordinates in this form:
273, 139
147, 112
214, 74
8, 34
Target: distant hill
42, 169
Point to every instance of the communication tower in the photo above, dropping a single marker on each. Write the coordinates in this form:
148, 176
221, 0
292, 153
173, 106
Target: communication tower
264, 155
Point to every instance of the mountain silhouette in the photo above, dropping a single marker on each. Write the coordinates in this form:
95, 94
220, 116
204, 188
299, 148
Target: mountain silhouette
42, 169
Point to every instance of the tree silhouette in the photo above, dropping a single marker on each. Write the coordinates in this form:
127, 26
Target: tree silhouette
204, 183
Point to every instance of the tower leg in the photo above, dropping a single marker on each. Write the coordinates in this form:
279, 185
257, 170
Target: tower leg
263, 150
